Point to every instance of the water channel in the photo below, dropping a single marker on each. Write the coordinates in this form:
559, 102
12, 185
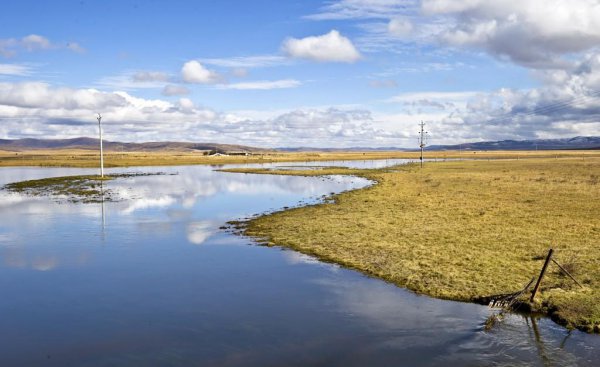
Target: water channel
152, 280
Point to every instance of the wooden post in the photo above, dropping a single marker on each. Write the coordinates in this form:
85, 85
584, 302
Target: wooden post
539, 281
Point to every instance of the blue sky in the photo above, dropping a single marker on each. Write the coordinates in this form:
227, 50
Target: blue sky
300, 73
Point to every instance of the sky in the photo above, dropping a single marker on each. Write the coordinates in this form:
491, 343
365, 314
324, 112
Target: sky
272, 73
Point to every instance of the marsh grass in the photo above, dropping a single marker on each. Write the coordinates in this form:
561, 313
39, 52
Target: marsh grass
461, 230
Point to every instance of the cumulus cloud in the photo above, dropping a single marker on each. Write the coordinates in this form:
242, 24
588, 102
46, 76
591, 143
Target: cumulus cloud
35, 109
263, 85
194, 72
331, 46
41, 95
534, 33
38, 109
566, 105
174, 90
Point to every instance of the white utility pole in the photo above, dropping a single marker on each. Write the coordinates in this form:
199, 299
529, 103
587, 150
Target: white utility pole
99, 118
422, 140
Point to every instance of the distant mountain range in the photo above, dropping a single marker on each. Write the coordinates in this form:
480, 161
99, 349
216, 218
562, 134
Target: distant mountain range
580, 142
89, 143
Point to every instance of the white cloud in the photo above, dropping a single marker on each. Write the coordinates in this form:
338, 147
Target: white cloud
132, 80
384, 83
239, 72
41, 95
328, 47
533, 33
361, 9
9, 47
76, 47
247, 62
174, 90
194, 72
186, 104
566, 105
438, 96
15, 69
262, 84
150, 76
35, 42
37, 109
400, 27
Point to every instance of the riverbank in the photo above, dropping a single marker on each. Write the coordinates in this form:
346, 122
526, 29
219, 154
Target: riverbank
87, 158
461, 230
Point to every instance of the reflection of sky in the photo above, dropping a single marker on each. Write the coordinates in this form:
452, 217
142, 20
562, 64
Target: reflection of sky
160, 283
195, 200
361, 164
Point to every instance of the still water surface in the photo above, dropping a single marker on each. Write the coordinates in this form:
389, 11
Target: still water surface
153, 281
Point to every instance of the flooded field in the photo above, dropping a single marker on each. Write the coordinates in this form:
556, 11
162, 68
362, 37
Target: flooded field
153, 280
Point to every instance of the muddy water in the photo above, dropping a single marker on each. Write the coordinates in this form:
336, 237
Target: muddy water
153, 281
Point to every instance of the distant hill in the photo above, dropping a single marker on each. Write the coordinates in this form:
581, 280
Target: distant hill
579, 142
350, 149
92, 144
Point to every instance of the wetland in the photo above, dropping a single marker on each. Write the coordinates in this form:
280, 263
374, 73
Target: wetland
152, 279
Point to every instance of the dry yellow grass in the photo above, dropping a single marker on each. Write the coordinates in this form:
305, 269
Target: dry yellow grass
459, 230
87, 158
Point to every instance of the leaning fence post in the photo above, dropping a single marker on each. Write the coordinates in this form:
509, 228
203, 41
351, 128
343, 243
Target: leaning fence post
539, 281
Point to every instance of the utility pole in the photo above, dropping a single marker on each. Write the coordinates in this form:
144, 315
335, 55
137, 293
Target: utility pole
99, 118
422, 140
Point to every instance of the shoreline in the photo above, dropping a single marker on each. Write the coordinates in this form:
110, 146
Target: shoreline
293, 228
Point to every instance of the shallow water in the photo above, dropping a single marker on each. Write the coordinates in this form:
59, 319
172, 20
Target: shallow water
153, 281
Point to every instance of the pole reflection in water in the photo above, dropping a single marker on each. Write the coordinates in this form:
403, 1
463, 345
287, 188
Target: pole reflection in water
539, 343
103, 210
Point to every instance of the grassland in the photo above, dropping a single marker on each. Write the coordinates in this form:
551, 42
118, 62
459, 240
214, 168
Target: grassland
461, 230
87, 158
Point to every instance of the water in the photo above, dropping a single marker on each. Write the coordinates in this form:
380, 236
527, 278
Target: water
153, 281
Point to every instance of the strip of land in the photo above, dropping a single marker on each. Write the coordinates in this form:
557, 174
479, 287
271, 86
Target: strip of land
461, 230
75, 189
87, 158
